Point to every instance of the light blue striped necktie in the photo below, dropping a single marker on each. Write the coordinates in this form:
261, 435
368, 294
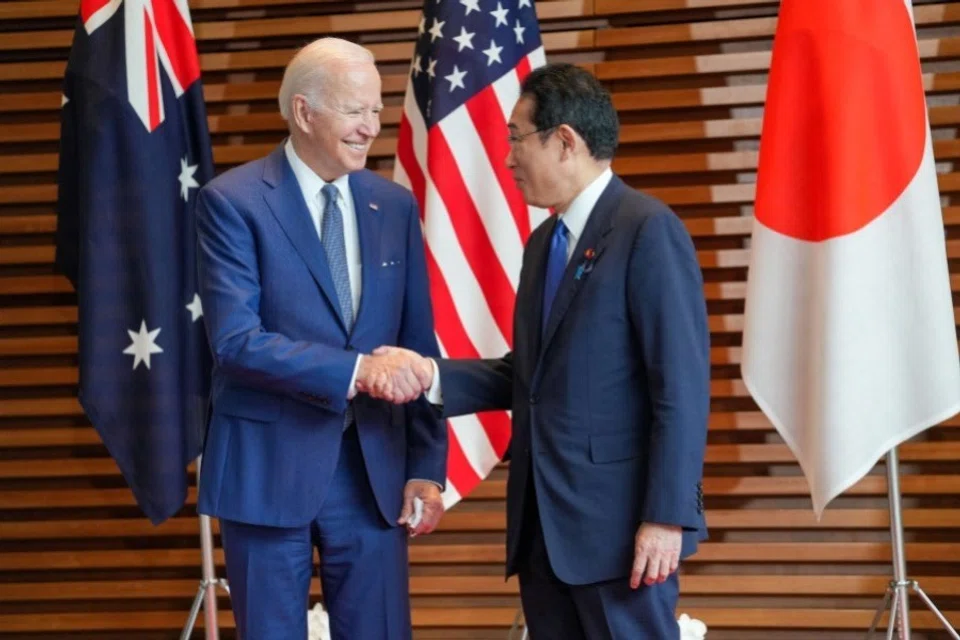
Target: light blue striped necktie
331, 237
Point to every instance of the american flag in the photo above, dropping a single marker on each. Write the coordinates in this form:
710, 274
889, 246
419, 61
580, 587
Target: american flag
470, 58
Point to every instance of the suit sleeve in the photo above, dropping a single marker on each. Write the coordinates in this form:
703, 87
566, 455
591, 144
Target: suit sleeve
426, 432
471, 386
229, 284
669, 316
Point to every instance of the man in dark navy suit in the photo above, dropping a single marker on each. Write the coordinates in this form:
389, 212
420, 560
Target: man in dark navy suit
308, 261
609, 380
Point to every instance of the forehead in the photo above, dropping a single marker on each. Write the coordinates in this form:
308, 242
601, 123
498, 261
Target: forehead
522, 112
355, 81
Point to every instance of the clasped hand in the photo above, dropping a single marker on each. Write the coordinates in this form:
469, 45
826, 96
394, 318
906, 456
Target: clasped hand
394, 374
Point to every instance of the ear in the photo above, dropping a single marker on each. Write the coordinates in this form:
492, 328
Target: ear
301, 113
569, 140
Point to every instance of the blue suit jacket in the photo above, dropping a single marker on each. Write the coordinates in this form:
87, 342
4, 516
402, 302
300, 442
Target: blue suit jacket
283, 358
610, 403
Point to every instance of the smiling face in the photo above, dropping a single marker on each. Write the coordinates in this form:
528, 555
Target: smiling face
333, 136
534, 162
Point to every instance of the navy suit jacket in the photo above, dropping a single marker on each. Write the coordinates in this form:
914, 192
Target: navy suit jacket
610, 403
283, 357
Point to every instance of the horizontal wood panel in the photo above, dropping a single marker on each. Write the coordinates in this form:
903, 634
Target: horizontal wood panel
479, 585
713, 486
720, 63
724, 258
698, 227
714, 291
438, 554
673, 196
482, 617
465, 520
246, 92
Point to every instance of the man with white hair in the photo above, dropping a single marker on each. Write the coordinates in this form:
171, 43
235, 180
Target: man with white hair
307, 262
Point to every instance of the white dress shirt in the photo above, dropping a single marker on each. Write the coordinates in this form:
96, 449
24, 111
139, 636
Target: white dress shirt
575, 218
311, 186
577, 214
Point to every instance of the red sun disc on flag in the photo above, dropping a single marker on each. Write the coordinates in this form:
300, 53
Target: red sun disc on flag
845, 122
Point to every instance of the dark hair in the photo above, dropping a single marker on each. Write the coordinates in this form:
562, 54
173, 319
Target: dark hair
566, 94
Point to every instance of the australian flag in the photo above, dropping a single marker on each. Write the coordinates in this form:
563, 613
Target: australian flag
134, 150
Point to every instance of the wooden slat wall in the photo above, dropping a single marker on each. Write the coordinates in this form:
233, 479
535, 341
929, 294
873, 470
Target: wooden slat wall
76, 558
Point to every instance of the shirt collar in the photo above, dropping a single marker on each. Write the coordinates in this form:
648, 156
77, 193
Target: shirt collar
576, 216
310, 183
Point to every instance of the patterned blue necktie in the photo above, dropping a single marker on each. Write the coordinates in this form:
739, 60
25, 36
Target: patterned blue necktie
556, 264
331, 237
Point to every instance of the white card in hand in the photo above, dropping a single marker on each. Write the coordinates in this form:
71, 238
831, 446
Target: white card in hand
417, 513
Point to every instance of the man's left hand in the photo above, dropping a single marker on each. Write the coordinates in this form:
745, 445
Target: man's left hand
429, 493
656, 553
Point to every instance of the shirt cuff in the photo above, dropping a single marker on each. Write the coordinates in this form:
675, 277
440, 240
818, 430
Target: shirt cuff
352, 389
439, 486
435, 394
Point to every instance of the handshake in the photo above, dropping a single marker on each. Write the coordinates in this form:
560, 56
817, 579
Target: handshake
394, 374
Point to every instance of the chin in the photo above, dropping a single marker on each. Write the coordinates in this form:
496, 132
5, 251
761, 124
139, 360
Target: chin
353, 164
534, 201
355, 159
525, 192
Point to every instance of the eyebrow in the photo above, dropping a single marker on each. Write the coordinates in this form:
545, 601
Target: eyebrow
356, 106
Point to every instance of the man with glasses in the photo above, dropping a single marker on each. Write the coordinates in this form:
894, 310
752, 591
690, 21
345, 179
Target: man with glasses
609, 380
307, 261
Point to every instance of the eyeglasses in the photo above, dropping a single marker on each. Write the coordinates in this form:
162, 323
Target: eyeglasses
514, 138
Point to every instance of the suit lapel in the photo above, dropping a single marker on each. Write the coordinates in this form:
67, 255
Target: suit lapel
369, 226
595, 235
286, 203
532, 298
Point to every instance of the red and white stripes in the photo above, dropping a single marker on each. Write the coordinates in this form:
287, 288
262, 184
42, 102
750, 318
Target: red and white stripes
475, 224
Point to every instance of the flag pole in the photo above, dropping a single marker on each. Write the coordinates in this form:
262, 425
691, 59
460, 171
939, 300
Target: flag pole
900, 586
207, 592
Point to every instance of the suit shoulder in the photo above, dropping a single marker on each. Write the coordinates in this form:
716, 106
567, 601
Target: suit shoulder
387, 188
238, 180
641, 205
638, 209
650, 222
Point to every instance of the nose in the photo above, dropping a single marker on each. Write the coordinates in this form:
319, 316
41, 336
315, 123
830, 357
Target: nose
370, 126
511, 159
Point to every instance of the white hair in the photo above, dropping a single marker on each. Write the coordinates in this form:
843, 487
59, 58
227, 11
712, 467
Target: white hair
306, 72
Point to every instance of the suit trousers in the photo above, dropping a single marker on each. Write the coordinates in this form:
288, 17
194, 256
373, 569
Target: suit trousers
363, 565
608, 610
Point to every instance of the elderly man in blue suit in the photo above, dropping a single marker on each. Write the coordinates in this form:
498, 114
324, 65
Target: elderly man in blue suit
609, 380
307, 261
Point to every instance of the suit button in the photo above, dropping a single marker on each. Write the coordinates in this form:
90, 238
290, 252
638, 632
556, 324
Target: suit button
350, 347
534, 399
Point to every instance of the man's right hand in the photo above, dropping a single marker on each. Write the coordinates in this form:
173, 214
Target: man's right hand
394, 374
